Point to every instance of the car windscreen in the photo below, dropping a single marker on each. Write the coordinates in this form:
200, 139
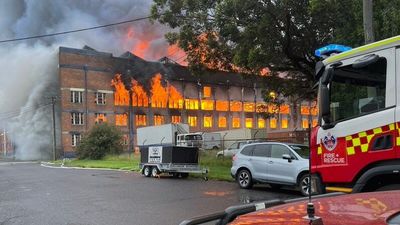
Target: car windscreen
302, 150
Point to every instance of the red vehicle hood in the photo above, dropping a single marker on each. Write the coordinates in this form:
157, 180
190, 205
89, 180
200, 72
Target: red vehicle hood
373, 208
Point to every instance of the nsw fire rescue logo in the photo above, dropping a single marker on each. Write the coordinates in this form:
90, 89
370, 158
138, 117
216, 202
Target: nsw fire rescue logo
329, 142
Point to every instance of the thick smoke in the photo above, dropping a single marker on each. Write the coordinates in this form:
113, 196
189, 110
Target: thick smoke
28, 77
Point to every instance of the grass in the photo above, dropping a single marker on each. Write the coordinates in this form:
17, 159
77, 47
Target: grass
218, 169
122, 162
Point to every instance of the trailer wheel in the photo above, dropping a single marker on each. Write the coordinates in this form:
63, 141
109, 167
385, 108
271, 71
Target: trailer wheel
155, 171
184, 175
175, 175
146, 171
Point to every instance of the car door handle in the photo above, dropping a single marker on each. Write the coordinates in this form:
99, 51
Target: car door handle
270, 162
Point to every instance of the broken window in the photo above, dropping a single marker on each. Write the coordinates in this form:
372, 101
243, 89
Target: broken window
100, 98
140, 120
121, 119
100, 118
76, 118
158, 120
192, 120
76, 96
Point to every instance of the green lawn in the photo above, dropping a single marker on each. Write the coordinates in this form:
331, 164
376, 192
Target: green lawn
218, 169
122, 162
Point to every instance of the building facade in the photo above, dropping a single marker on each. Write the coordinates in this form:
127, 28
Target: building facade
98, 87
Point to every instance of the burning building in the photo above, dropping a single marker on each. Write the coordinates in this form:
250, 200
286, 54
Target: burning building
98, 87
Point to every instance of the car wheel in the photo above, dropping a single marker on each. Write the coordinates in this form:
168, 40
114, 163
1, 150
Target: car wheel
303, 184
220, 156
215, 148
244, 179
146, 171
155, 171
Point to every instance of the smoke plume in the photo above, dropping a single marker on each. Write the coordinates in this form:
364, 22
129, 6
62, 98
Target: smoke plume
28, 77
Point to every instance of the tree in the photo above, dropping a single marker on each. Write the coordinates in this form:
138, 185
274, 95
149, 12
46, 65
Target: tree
249, 35
101, 140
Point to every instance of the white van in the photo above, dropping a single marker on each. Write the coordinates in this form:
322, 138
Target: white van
200, 139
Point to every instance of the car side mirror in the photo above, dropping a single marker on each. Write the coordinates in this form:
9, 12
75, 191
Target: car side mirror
287, 157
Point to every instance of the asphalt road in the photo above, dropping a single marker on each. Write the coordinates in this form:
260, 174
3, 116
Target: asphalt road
32, 194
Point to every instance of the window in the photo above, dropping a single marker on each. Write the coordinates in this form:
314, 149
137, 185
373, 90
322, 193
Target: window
222, 106
357, 91
305, 110
302, 150
100, 98
247, 150
222, 121
278, 150
249, 106
191, 104
175, 119
121, 119
100, 118
76, 139
236, 106
206, 92
207, 104
235, 122
284, 109
76, 96
315, 122
125, 139
140, 120
249, 122
272, 123
261, 123
304, 123
262, 150
207, 121
77, 118
284, 123
158, 120
192, 120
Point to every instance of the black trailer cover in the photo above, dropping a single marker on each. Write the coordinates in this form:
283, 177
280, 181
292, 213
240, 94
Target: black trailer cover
169, 154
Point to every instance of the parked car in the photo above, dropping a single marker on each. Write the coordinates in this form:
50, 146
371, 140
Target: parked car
273, 163
234, 148
378, 208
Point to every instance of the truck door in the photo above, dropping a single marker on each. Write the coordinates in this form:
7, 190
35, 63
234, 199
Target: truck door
361, 127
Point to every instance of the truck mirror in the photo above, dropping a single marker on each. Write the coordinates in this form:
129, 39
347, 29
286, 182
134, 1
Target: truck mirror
325, 104
327, 76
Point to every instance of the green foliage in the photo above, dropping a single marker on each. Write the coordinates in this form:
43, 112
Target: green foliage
101, 140
281, 35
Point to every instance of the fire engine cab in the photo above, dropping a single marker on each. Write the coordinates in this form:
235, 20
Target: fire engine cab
356, 146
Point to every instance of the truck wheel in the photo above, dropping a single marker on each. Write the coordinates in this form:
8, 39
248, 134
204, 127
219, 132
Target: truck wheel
303, 184
184, 175
244, 179
146, 171
155, 171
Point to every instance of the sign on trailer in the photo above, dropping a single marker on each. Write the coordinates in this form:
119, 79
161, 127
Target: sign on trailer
155, 154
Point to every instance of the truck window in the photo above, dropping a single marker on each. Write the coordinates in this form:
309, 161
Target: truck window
358, 91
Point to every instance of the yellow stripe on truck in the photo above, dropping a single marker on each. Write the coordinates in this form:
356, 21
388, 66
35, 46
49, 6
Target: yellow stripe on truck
338, 189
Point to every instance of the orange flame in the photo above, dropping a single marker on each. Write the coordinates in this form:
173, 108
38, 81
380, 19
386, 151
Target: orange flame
139, 95
159, 94
175, 100
121, 119
121, 95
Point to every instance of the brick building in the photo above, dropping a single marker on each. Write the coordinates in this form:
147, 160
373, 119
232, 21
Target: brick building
95, 87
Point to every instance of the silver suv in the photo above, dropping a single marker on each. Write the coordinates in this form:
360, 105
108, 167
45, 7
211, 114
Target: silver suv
273, 163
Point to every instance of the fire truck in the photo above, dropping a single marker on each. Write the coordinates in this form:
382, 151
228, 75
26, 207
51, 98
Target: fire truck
356, 146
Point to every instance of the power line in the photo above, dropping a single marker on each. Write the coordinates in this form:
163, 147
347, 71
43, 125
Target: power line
74, 31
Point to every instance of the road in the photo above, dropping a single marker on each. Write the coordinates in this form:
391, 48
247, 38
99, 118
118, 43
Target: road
32, 194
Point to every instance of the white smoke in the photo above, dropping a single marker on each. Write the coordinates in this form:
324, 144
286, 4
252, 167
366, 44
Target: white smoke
28, 77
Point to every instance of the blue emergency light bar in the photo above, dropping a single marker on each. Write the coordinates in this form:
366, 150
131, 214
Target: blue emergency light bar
332, 48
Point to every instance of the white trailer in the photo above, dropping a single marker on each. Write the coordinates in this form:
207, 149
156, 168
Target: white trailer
231, 136
160, 135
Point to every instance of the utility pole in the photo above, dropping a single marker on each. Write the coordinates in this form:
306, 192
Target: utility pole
368, 21
4, 143
53, 103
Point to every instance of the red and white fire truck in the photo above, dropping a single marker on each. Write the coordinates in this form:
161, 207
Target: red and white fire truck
356, 146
